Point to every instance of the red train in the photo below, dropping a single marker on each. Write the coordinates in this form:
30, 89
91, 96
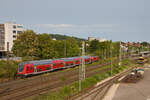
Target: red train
36, 67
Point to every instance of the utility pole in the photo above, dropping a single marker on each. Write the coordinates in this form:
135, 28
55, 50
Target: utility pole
111, 57
105, 53
83, 60
64, 48
120, 55
7, 52
8, 59
82, 66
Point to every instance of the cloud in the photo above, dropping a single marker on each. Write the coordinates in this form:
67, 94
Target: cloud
79, 30
54, 25
76, 25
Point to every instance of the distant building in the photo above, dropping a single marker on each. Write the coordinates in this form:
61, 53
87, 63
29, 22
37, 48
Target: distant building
99, 39
53, 38
91, 38
8, 33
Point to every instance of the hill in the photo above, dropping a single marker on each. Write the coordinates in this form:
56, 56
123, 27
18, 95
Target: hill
63, 37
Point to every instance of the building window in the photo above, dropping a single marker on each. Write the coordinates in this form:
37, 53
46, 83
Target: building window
14, 36
14, 26
14, 31
14, 41
19, 32
19, 26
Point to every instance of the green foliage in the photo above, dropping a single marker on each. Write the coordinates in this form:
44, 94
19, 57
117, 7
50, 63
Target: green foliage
145, 43
30, 46
72, 47
64, 37
8, 69
94, 45
42, 46
46, 47
103, 49
26, 44
63, 78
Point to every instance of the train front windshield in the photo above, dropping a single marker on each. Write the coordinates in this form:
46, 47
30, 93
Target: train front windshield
21, 67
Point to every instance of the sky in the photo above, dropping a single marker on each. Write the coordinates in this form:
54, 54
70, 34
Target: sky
126, 20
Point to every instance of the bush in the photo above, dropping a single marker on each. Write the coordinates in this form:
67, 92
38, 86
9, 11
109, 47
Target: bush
8, 69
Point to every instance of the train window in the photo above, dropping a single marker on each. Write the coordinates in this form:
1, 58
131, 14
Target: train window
27, 68
38, 70
61, 63
31, 68
48, 68
21, 68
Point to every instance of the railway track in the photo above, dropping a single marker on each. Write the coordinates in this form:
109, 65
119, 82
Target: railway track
48, 83
51, 75
44, 86
98, 92
31, 82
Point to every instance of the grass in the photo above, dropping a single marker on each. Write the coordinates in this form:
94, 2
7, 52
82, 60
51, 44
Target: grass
63, 78
73, 88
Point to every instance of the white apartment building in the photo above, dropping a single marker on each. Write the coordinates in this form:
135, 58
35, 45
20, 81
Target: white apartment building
8, 33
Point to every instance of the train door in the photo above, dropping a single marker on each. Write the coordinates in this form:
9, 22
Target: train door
54, 66
30, 69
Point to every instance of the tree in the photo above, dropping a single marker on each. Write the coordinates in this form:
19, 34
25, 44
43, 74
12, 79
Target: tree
72, 47
26, 44
94, 45
145, 44
60, 47
46, 47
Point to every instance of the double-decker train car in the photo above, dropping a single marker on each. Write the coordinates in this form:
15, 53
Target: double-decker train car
34, 67
96, 58
87, 59
68, 62
41, 66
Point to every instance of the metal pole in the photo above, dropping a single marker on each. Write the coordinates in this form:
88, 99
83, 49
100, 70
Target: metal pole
82, 66
65, 48
8, 59
7, 51
120, 55
105, 53
80, 74
83, 60
111, 56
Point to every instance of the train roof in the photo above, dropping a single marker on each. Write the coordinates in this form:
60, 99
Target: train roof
95, 56
37, 62
49, 61
67, 59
